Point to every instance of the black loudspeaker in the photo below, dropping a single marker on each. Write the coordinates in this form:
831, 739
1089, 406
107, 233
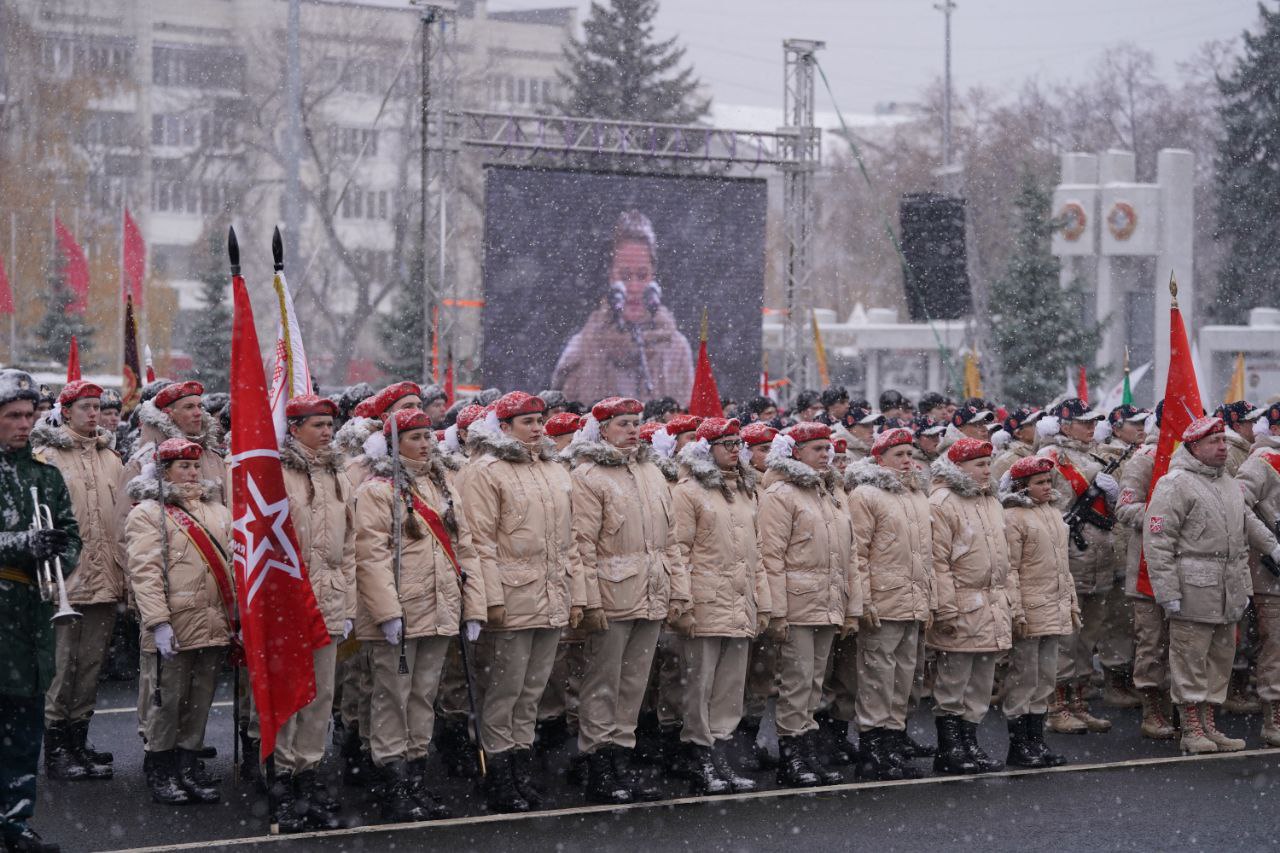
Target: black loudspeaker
937, 283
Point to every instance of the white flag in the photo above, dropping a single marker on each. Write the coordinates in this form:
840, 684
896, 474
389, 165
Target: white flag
291, 376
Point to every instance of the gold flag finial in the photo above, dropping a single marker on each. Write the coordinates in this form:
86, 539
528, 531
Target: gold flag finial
1173, 288
1126, 359
703, 333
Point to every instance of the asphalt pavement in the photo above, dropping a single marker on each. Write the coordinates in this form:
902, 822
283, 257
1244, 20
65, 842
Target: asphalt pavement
1120, 793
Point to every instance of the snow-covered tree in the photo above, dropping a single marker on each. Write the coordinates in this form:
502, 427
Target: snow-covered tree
618, 70
1248, 175
210, 339
51, 338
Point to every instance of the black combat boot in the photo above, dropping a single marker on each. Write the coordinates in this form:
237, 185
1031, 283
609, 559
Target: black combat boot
60, 761
809, 744
500, 785
952, 757
1022, 750
189, 778
985, 763
706, 780
628, 775
834, 741
603, 785
165, 787
316, 791
748, 731
87, 748
522, 767
357, 764
250, 767
78, 744
876, 760
398, 803
20, 838
577, 771
1035, 731
900, 753
793, 770
550, 734
313, 802
286, 815
456, 749
675, 758
421, 791
738, 783
910, 748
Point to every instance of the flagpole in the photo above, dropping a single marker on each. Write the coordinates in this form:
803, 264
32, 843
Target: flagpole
124, 194
13, 264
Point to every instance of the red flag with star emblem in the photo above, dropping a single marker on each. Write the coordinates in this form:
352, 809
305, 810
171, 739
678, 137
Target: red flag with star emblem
278, 613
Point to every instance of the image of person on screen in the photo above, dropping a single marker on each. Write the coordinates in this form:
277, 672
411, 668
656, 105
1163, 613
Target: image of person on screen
629, 345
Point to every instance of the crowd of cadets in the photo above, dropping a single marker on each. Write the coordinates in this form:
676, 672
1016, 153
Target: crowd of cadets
630, 570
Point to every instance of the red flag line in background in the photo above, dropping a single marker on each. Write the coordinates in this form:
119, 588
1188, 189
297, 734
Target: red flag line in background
133, 260
76, 269
73, 360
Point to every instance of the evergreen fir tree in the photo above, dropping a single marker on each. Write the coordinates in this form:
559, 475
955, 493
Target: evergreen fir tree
619, 71
52, 335
1248, 176
402, 329
1039, 332
209, 341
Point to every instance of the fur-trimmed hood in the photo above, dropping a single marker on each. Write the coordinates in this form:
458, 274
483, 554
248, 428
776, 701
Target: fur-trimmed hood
603, 453
352, 435
949, 474
146, 487
296, 458
506, 448
802, 476
45, 434
867, 472
696, 460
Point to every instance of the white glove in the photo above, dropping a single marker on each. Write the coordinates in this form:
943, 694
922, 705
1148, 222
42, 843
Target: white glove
347, 625
472, 628
1048, 426
1275, 554
1172, 608
1006, 483
1108, 485
393, 630
1000, 439
166, 645
1102, 432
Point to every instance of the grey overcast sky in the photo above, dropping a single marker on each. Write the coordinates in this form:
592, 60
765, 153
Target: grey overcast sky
890, 50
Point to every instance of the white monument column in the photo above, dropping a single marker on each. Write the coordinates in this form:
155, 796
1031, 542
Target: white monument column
1115, 169
1175, 175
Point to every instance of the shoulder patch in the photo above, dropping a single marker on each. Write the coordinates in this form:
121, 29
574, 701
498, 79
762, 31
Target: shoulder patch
1156, 524
1128, 496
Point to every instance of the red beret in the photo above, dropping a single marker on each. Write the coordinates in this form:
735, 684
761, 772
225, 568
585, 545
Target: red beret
407, 419
890, 438
364, 409
174, 392
967, 449
469, 415
305, 405
807, 431
714, 429
79, 390
682, 423
563, 423
758, 433
648, 428
1203, 428
611, 407
840, 445
386, 398
178, 448
518, 403
1029, 466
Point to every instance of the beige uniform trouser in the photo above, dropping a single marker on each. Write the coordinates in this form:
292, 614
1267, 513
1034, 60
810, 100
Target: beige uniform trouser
1268, 661
840, 687
1116, 645
1075, 650
349, 688
520, 665
618, 664
1150, 646
886, 668
81, 649
401, 707
962, 687
803, 667
560, 699
1033, 674
187, 683
1200, 656
762, 676
716, 669
300, 743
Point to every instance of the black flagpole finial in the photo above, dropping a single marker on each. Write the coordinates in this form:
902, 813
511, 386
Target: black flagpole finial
277, 249
233, 250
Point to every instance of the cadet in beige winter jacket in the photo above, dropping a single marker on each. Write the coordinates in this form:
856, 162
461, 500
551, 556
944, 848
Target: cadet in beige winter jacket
715, 517
417, 615
972, 623
518, 515
1042, 596
806, 546
889, 505
1197, 542
91, 470
1259, 479
635, 578
181, 580
762, 661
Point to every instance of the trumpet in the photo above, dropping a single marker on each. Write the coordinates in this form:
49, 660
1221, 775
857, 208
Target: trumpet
49, 575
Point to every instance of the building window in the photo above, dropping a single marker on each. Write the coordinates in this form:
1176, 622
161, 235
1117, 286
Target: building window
203, 67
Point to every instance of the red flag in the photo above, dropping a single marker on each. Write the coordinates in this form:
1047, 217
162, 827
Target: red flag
76, 270
1181, 407
6, 295
1082, 386
135, 259
281, 623
132, 395
73, 360
448, 380
705, 399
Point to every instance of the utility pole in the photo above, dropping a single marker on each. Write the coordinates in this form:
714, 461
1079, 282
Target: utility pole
431, 300
946, 7
293, 136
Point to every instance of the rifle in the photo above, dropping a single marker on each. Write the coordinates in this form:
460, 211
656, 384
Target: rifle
1268, 563
397, 531
1082, 511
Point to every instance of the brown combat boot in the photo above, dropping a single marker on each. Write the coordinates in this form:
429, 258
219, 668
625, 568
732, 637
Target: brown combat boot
1271, 723
1194, 740
1224, 743
1154, 723
1060, 718
1119, 691
1241, 698
1080, 710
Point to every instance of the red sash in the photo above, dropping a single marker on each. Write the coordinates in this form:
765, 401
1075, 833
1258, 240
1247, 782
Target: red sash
434, 523
1079, 484
215, 561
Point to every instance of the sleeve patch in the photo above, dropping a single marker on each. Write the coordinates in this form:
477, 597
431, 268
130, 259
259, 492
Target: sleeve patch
1156, 524
1128, 496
